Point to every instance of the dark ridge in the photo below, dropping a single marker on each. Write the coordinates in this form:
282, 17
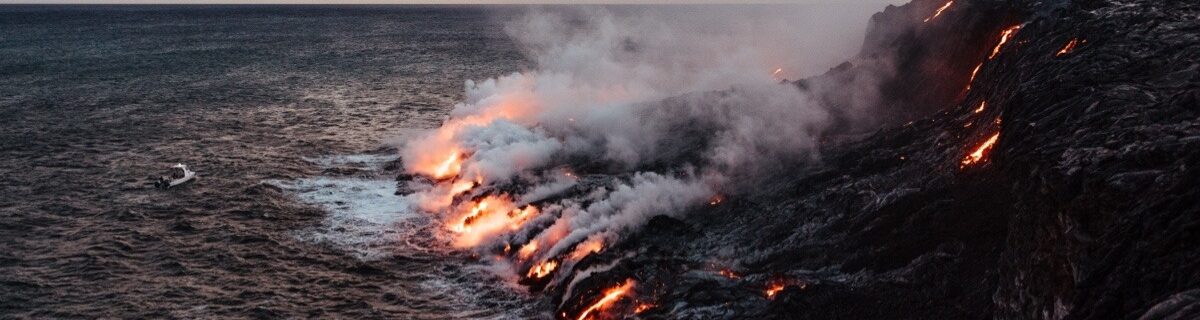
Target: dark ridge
1084, 209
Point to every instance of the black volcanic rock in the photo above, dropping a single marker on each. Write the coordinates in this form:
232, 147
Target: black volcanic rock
1086, 207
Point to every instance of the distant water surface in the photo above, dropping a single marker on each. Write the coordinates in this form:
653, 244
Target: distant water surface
286, 113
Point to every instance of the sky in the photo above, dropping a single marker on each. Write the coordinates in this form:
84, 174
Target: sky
872, 2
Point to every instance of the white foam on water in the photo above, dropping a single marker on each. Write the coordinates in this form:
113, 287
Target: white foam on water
365, 216
368, 220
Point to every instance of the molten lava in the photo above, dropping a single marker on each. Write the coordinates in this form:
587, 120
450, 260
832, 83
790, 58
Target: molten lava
528, 250
519, 217
981, 152
1004, 37
774, 289
726, 272
487, 218
982, 105
939, 11
476, 210
777, 72
449, 167
642, 307
1068, 48
590, 246
611, 295
973, 74
542, 269
776, 286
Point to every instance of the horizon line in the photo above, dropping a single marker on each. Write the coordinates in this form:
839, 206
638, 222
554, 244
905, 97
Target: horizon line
427, 2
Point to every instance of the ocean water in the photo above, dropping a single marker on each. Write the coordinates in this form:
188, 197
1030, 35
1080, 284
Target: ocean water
289, 115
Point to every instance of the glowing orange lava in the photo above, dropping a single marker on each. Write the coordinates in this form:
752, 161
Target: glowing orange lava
982, 105
542, 269
487, 218
527, 250
589, 246
729, 274
775, 289
642, 307
611, 295
776, 286
519, 217
981, 152
1004, 36
476, 210
939, 11
973, 74
777, 71
449, 167
1067, 49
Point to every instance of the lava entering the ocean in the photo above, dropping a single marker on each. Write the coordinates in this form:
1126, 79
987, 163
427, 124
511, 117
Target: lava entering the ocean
542, 269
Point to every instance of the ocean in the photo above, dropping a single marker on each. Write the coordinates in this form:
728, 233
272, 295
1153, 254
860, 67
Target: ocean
288, 114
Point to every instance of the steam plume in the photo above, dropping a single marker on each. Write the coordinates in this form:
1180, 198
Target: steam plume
664, 109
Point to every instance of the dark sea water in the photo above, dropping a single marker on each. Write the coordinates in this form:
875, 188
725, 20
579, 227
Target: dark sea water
288, 115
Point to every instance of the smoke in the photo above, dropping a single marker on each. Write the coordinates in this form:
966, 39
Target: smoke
665, 107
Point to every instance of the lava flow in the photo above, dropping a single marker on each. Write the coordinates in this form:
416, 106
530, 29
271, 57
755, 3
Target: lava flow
611, 295
939, 11
1068, 48
542, 269
488, 217
1004, 37
973, 74
774, 289
982, 105
585, 248
981, 152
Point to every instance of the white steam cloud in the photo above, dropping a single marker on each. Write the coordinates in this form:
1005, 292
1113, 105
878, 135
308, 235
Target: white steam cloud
674, 104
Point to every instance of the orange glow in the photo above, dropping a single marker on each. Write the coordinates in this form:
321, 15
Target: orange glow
775, 289
611, 295
729, 274
583, 249
449, 167
542, 269
484, 219
715, 200
1068, 48
528, 250
973, 74
461, 186
1004, 36
642, 307
776, 286
982, 105
939, 11
519, 217
777, 71
476, 210
981, 151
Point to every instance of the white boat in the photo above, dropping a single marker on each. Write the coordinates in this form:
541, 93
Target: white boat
179, 175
